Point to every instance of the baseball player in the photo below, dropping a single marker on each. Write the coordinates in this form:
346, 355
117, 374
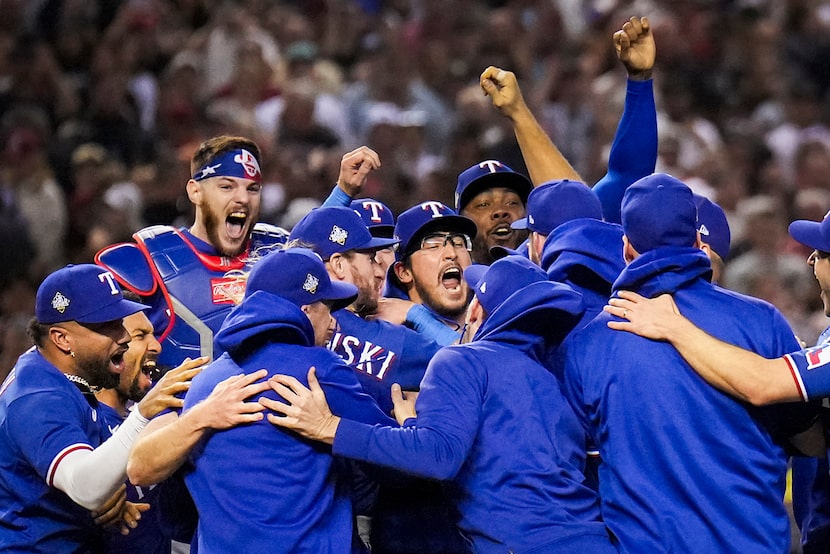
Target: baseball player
182, 272
502, 433
259, 489
665, 475
55, 461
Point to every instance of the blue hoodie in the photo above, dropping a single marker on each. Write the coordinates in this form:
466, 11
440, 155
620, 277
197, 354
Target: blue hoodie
260, 488
493, 420
686, 468
587, 255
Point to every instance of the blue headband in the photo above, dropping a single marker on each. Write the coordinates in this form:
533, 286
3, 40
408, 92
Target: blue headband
235, 163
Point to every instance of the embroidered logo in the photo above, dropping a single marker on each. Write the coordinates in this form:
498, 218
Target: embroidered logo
704, 230
338, 235
310, 285
60, 302
531, 220
483, 287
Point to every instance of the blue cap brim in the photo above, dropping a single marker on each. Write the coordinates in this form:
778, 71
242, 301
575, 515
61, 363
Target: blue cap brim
378, 242
113, 312
519, 224
809, 234
340, 295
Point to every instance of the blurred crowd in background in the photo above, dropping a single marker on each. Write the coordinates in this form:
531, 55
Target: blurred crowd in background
102, 103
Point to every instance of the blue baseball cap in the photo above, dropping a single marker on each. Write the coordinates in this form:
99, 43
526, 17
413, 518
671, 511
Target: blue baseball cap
299, 276
489, 174
713, 226
553, 203
429, 217
376, 215
493, 284
815, 234
330, 230
86, 293
658, 210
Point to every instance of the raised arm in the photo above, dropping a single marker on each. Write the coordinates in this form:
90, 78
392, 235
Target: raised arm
736, 371
543, 159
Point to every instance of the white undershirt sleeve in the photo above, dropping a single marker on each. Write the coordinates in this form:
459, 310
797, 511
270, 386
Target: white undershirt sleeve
90, 477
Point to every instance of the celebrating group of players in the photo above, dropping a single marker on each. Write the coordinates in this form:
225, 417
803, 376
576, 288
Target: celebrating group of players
447, 380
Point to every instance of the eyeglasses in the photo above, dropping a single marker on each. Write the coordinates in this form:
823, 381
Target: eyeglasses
437, 241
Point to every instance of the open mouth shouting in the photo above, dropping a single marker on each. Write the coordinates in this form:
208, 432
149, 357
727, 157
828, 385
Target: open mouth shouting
235, 225
451, 279
117, 361
502, 233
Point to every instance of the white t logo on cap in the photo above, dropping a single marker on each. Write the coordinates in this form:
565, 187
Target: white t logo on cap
491, 165
107, 276
434, 206
376, 208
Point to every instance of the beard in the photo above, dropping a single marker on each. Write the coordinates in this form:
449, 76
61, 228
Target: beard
212, 224
135, 392
437, 305
366, 303
97, 372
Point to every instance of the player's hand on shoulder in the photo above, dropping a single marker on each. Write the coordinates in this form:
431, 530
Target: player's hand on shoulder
226, 406
169, 391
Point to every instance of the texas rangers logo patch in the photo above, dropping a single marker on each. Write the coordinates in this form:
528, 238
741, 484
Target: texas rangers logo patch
817, 356
338, 235
310, 285
60, 302
248, 162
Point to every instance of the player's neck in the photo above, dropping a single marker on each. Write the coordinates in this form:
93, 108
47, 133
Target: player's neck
113, 399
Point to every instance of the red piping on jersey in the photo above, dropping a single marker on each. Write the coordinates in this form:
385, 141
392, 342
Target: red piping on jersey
56, 463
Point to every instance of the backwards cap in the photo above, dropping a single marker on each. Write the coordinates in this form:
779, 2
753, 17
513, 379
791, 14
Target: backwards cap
489, 174
85, 293
429, 217
553, 203
658, 210
713, 226
299, 276
337, 229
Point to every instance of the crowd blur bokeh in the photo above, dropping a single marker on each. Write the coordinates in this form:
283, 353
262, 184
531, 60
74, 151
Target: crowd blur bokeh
102, 103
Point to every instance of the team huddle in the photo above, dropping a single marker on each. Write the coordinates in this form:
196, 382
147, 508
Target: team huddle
543, 367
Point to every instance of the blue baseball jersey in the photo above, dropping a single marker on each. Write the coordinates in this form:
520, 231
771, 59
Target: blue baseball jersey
382, 354
686, 467
260, 488
150, 536
43, 417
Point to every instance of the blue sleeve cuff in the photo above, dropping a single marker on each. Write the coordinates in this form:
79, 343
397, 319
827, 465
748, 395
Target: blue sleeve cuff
337, 198
420, 319
352, 439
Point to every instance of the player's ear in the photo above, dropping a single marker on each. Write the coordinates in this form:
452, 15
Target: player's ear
337, 266
60, 338
628, 251
403, 273
194, 192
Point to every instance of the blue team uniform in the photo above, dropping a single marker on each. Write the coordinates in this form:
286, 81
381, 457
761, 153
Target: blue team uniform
184, 280
676, 451
492, 419
151, 536
260, 488
382, 353
634, 151
43, 417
